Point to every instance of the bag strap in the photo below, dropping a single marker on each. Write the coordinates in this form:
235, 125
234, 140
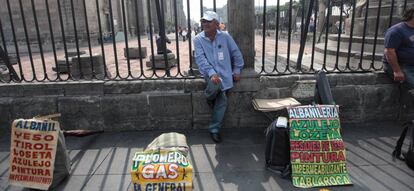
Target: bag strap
397, 150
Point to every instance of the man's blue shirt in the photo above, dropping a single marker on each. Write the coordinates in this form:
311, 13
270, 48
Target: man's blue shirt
220, 56
401, 38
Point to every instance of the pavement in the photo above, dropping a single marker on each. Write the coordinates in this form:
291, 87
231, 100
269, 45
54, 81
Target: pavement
102, 162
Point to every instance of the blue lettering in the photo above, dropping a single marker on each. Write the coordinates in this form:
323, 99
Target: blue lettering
32, 125
25, 125
137, 187
167, 186
53, 127
161, 186
148, 187
19, 124
44, 126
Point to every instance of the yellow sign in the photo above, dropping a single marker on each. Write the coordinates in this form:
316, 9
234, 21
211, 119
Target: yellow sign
164, 169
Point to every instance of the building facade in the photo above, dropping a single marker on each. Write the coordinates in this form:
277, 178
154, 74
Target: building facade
76, 17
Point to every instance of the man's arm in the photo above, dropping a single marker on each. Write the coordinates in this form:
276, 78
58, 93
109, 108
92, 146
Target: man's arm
392, 59
393, 40
236, 57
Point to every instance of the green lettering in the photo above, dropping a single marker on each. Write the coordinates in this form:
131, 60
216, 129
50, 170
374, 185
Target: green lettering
294, 124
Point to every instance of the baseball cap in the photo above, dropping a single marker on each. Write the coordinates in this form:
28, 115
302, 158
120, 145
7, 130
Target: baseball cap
209, 16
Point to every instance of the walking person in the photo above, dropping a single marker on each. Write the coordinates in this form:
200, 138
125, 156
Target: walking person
184, 34
220, 62
399, 50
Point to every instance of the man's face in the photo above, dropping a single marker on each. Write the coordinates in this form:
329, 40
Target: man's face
209, 26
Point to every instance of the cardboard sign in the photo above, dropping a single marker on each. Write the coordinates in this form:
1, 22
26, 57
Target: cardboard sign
165, 169
32, 153
316, 147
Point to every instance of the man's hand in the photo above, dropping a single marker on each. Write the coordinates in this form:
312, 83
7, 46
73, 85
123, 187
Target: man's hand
215, 79
399, 76
392, 59
236, 77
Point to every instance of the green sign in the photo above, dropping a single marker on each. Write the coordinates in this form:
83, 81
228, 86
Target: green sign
317, 151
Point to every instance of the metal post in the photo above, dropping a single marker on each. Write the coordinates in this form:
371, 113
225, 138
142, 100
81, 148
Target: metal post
304, 35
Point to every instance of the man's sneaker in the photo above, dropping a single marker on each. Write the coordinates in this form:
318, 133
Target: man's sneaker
216, 137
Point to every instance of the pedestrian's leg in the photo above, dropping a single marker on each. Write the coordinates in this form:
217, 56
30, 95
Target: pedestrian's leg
219, 110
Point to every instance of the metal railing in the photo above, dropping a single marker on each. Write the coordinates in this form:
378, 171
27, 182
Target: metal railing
345, 36
61, 40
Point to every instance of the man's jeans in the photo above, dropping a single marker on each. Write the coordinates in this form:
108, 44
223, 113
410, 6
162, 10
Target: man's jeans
408, 73
218, 100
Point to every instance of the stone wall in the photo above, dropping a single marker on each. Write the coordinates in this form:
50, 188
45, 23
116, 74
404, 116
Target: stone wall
179, 104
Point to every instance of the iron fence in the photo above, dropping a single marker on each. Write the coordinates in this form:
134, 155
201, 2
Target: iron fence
61, 40
330, 35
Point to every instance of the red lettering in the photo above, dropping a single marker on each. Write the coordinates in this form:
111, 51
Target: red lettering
337, 145
18, 134
26, 136
37, 137
48, 138
47, 147
294, 156
325, 145
17, 143
341, 156
326, 158
28, 145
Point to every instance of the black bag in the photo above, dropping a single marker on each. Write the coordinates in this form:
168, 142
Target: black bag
277, 153
323, 93
408, 156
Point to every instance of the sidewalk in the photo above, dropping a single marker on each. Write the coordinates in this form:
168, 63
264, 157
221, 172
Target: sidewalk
102, 162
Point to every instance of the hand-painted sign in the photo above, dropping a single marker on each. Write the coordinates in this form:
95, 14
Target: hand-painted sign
163, 169
32, 153
316, 147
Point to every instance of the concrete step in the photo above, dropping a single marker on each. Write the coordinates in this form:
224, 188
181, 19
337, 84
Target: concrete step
306, 62
333, 50
356, 39
371, 24
329, 64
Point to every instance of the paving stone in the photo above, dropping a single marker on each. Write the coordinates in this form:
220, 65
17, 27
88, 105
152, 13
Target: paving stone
85, 162
123, 87
124, 112
85, 66
84, 88
29, 107
135, 52
11, 90
166, 106
81, 112
4, 163
96, 182
5, 119
43, 89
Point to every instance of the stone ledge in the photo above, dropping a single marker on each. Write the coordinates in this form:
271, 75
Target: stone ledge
180, 103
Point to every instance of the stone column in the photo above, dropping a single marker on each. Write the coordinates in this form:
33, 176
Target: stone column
241, 27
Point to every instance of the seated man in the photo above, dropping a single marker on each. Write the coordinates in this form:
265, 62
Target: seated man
220, 62
399, 50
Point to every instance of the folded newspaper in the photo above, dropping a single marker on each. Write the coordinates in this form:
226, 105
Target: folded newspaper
267, 105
